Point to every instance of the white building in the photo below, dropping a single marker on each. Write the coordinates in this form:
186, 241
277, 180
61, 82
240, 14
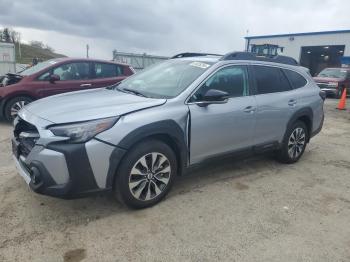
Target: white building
314, 50
7, 58
137, 61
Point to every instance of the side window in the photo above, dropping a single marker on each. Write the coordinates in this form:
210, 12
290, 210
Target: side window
233, 80
44, 76
295, 79
104, 70
72, 71
270, 80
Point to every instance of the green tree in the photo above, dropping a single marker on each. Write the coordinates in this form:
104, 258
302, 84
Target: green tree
6, 37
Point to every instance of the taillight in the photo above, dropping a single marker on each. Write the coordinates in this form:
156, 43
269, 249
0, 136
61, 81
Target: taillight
323, 95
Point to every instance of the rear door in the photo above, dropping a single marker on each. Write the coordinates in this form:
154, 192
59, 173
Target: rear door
276, 102
74, 76
222, 128
106, 74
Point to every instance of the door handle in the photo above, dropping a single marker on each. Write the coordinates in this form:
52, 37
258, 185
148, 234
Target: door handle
249, 109
292, 102
82, 85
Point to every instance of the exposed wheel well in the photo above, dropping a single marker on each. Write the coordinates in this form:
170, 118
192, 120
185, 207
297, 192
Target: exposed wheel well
173, 145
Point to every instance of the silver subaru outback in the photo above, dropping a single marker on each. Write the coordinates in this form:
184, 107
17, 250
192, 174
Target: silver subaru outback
134, 138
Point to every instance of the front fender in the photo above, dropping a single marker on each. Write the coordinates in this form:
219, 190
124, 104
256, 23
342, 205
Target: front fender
164, 128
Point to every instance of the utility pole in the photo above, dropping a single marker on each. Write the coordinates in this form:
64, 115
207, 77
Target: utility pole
247, 41
19, 47
87, 51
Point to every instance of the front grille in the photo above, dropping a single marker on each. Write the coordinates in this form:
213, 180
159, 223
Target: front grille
27, 135
324, 85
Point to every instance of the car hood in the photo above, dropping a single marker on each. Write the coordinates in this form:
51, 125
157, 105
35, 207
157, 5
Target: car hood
89, 104
327, 79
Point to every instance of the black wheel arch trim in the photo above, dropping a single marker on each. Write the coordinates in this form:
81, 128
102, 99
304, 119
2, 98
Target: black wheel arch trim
303, 112
81, 176
164, 128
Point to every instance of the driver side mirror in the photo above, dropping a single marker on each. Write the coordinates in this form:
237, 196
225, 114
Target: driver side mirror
53, 78
213, 96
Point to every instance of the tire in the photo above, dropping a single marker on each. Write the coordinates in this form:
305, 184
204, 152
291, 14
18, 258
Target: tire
292, 149
14, 105
137, 183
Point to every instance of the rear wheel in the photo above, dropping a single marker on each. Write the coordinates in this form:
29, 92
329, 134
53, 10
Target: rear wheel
14, 105
294, 143
146, 174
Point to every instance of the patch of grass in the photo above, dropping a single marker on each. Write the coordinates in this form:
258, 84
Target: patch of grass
29, 52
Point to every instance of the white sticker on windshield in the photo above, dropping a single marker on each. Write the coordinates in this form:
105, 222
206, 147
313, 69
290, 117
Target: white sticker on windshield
52, 62
200, 65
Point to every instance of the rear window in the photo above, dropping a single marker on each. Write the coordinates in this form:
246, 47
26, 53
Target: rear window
270, 80
295, 78
105, 70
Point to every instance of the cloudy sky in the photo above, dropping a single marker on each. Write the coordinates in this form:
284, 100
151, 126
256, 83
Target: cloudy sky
165, 27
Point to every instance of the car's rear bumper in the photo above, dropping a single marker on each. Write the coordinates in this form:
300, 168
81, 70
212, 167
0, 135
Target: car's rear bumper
330, 91
318, 130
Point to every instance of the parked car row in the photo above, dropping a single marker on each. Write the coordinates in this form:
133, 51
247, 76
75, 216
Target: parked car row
135, 137
57, 76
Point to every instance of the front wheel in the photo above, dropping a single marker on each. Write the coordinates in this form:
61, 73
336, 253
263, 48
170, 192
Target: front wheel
294, 143
146, 174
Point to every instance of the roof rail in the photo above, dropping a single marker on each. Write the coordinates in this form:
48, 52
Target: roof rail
251, 56
192, 55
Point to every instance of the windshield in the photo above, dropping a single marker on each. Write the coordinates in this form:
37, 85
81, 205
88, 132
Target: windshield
38, 67
165, 80
333, 73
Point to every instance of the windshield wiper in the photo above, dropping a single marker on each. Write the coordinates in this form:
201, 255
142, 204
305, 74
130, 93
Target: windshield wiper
135, 92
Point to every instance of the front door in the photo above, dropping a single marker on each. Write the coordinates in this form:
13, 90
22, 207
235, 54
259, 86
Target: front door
222, 128
73, 77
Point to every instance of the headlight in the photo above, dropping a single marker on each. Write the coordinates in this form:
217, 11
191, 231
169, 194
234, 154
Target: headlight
83, 131
332, 84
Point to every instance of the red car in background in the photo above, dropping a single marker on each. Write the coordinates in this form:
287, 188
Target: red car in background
57, 76
334, 80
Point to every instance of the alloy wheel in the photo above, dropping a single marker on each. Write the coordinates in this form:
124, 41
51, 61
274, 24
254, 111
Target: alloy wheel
296, 142
149, 176
16, 107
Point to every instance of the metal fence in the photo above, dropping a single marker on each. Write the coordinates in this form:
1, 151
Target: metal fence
137, 61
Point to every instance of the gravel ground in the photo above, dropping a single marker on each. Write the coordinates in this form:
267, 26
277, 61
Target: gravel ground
251, 210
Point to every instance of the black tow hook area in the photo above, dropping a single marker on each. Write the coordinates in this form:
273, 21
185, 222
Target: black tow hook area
35, 175
39, 177
36, 180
